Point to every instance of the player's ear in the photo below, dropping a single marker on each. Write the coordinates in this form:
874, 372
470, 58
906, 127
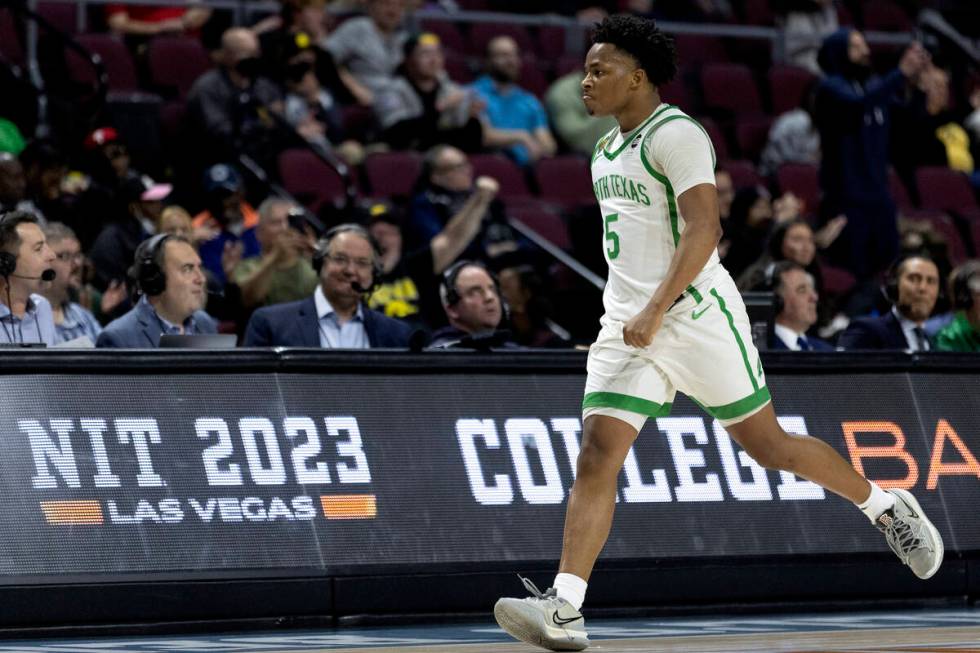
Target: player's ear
637, 78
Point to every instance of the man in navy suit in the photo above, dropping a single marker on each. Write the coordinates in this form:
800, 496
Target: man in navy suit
797, 309
335, 316
913, 287
171, 283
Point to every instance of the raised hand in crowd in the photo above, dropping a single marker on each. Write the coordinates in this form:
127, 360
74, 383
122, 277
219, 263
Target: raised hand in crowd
826, 235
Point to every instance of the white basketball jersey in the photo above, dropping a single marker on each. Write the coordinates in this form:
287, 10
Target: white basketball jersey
637, 178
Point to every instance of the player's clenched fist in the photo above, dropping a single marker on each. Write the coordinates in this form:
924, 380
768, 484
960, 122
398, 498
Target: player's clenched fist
640, 329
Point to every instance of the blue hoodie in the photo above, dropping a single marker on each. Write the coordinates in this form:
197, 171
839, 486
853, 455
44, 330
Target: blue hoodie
852, 115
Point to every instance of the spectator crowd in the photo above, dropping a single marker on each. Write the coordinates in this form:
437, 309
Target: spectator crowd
848, 191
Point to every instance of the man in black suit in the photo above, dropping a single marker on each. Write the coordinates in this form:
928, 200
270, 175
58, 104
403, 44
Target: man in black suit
913, 287
335, 316
796, 308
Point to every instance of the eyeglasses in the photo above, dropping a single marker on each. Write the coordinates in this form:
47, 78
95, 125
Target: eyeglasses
70, 257
340, 260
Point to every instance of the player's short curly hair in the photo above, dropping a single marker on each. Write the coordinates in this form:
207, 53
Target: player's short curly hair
640, 38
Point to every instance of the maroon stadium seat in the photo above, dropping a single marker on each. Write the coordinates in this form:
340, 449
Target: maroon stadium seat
752, 133
836, 281
675, 92
482, 33
312, 181
458, 68
898, 191
10, 41
717, 137
943, 189
506, 172
699, 49
944, 226
544, 220
447, 32
802, 179
565, 180
176, 62
744, 174
758, 12
787, 86
730, 87
533, 78
885, 16
62, 15
115, 57
393, 173
551, 42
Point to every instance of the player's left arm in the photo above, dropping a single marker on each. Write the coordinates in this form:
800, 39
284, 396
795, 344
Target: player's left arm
688, 163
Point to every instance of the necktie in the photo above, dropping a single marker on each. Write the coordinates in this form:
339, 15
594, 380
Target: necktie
804, 344
920, 338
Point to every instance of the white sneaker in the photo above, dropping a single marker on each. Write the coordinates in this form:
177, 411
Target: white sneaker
543, 620
911, 535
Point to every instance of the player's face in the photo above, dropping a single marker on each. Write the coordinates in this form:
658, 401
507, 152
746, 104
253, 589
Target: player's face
611, 76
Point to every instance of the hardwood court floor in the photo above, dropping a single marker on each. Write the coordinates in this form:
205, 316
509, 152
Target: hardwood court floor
932, 631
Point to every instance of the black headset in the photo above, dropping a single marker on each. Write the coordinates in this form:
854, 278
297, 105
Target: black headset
147, 272
450, 295
960, 285
774, 279
323, 248
890, 287
8, 261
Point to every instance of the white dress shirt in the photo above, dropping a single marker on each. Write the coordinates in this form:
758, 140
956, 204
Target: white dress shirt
333, 334
908, 328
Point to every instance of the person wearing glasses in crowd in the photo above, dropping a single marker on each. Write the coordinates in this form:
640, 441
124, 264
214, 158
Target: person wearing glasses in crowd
335, 316
72, 321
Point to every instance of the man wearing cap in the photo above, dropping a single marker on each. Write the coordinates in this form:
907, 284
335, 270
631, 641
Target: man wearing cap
114, 247
423, 107
231, 219
408, 287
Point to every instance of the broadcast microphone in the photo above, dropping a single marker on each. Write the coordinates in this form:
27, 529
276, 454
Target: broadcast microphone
47, 275
359, 288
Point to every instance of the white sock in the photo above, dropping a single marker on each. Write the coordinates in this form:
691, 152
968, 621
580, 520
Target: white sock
571, 588
877, 503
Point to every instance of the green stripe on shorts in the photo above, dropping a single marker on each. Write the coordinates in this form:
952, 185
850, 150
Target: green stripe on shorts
625, 402
738, 338
740, 407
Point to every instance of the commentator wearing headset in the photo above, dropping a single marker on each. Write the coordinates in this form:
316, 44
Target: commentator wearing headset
348, 263
168, 277
912, 286
25, 263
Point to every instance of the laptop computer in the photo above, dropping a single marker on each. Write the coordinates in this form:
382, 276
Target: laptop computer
199, 341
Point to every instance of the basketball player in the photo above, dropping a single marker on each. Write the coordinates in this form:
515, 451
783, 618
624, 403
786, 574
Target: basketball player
673, 321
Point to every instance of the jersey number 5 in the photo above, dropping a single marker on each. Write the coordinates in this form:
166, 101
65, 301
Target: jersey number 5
613, 249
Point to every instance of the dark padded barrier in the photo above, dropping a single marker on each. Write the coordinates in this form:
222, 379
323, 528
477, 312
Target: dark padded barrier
243, 484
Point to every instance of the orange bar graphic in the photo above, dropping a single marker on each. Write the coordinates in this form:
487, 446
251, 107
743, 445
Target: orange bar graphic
349, 506
60, 513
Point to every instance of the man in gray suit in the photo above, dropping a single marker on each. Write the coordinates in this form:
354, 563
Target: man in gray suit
171, 284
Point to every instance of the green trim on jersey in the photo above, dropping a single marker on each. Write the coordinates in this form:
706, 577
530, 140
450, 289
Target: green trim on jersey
738, 338
738, 408
625, 402
601, 144
696, 123
671, 200
693, 292
626, 141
